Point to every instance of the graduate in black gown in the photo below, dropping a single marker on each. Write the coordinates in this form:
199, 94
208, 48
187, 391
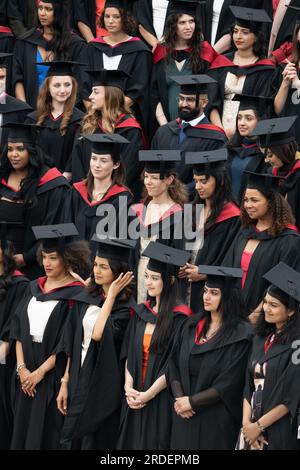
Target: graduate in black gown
171, 58
281, 37
101, 192
191, 131
91, 392
52, 40
146, 411
244, 152
37, 328
271, 395
22, 15
207, 367
57, 113
6, 34
86, 19
221, 217
12, 287
277, 138
5, 72
268, 236
31, 193
109, 113
245, 70
119, 50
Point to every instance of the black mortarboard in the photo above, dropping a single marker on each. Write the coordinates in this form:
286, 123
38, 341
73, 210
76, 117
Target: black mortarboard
257, 103
262, 181
116, 4
204, 162
103, 144
297, 12
103, 77
4, 56
193, 84
165, 258
221, 276
250, 18
19, 132
59, 67
183, 7
55, 237
285, 284
275, 131
114, 248
160, 161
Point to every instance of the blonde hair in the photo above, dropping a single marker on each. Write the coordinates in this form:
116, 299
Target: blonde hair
44, 105
176, 190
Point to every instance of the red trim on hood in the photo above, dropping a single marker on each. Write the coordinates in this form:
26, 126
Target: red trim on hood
101, 41
17, 273
50, 175
42, 281
293, 170
229, 211
5, 29
81, 188
139, 209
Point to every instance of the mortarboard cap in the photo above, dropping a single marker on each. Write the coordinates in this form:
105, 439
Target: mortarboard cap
59, 67
114, 249
262, 181
55, 237
103, 144
297, 12
103, 77
221, 276
257, 103
165, 258
116, 4
193, 84
4, 59
182, 7
275, 131
19, 132
204, 162
160, 161
285, 284
250, 18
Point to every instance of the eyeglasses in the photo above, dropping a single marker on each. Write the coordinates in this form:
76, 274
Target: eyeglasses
187, 99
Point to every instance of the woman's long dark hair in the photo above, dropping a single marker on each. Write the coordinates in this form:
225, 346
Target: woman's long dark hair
9, 266
117, 268
165, 316
233, 309
195, 43
237, 139
260, 45
222, 195
29, 185
60, 43
290, 331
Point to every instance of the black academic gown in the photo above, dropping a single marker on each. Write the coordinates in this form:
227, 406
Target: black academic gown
136, 61
270, 251
96, 387
287, 26
57, 147
281, 386
216, 364
12, 110
290, 188
159, 88
204, 136
24, 69
6, 34
51, 194
8, 305
38, 422
216, 243
148, 428
258, 79
86, 215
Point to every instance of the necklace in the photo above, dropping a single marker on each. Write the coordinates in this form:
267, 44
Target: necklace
98, 195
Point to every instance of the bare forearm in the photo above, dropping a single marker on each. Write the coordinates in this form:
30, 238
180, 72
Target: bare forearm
246, 412
20, 91
160, 115
273, 415
86, 31
223, 44
48, 365
159, 385
149, 38
280, 98
215, 118
103, 315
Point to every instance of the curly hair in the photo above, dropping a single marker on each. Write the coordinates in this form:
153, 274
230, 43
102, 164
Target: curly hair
222, 195
259, 47
36, 164
195, 43
117, 268
114, 106
129, 24
44, 105
75, 256
9, 266
280, 211
176, 190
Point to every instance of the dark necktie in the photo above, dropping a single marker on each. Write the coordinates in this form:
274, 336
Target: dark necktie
182, 134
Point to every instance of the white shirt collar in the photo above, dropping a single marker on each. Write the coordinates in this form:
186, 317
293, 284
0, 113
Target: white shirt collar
195, 122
